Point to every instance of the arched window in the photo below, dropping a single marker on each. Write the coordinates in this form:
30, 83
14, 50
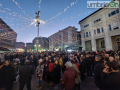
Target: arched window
102, 44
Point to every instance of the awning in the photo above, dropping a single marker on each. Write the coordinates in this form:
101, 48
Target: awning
4, 49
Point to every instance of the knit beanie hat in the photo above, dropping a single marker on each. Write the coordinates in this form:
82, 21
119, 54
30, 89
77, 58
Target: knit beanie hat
68, 64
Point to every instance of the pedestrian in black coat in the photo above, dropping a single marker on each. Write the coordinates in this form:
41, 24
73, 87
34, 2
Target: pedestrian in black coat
98, 70
25, 73
7, 76
82, 69
56, 74
88, 64
110, 79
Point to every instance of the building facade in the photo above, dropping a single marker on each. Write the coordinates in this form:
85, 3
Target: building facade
43, 43
20, 46
101, 30
64, 39
7, 36
29, 47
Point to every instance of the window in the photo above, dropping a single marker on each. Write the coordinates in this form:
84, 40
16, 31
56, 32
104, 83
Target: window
97, 20
98, 31
89, 33
94, 31
102, 30
110, 28
86, 25
117, 11
113, 13
86, 34
109, 14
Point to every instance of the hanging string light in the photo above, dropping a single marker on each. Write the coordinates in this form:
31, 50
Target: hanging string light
63, 10
21, 9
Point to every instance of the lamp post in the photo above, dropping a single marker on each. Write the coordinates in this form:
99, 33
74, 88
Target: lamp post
38, 22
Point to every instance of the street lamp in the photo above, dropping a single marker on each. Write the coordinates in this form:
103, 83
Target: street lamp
38, 22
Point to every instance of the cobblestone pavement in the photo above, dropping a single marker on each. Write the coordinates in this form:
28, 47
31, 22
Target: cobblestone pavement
88, 84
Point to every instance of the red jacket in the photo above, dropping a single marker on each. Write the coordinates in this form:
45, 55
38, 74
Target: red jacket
69, 78
50, 67
77, 65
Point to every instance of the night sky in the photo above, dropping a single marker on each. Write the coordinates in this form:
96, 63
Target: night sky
10, 12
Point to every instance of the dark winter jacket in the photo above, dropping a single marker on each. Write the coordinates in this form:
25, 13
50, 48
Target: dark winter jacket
25, 73
88, 62
110, 81
98, 70
7, 75
69, 78
56, 74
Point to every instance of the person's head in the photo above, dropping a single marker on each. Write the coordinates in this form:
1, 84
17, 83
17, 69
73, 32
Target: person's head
68, 64
111, 58
40, 61
107, 55
6, 63
87, 55
97, 58
15, 63
27, 62
56, 62
81, 58
81, 55
50, 60
46, 58
111, 66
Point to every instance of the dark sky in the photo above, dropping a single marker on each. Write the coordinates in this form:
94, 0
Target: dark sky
49, 8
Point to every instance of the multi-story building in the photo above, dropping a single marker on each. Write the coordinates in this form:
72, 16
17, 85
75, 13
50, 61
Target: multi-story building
20, 46
101, 30
29, 47
43, 43
64, 39
7, 37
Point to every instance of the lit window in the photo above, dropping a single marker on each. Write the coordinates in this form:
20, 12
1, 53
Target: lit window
98, 30
110, 28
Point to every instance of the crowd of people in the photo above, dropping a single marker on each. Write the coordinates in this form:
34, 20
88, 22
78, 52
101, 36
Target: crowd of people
62, 69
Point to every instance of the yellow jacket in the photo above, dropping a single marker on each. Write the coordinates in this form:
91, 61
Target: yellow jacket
61, 62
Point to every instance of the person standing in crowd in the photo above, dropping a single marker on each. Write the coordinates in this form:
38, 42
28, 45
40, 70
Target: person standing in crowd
16, 68
82, 69
77, 80
88, 63
111, 59
50, 69
25, 73
98, 70
39, 72
46, 72
56, 74
69, 76
110, 77
106, 57
8, 75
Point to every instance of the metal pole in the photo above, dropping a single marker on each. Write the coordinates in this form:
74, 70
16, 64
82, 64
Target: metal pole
37, 39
